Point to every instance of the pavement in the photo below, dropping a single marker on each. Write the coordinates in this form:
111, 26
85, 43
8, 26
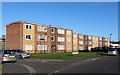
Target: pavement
31, 66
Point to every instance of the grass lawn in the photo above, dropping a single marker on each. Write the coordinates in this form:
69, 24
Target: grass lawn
66, 55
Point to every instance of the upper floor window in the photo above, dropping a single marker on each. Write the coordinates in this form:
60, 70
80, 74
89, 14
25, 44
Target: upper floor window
68, 39
60, 31
42, 37
89, 37
28, 26
52, 38
75, 35
68, 32
80, 42
80, 36
61, 39
28, 37
52, 30
100, 38
42, 28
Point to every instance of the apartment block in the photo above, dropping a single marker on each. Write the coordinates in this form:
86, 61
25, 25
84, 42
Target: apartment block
69, 40
81, 42
39, 38
75, 42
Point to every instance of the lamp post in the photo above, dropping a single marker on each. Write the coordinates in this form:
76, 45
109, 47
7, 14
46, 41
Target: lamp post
110, 38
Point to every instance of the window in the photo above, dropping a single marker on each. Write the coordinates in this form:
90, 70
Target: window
100, 38
80, 36
81, 48
75, 42
42, 37
68, 47
89, 42
68, 32
105, 39
68, 40
28, 37
80, 42
89, 37
89, 48
52, 38
60, 31
100, 43
52, 30
74, 48
105, 43
61, 47
60, 39
93, 38
42, 47
28, 47
28, 26
75, 35
86, 42
42, 28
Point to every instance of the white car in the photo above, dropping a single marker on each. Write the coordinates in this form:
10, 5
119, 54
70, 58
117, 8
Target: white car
113, 52
21, 54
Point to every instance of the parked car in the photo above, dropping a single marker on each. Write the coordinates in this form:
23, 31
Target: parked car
7, 56
113, 52
21, 54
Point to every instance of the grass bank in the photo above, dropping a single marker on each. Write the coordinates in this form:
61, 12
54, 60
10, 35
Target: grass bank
66, 55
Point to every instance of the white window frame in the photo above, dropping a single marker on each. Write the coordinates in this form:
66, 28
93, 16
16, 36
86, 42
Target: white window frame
30, 35
28, 26
68, 32
53, 30
81, 48
28, 47
61, 39
80, 36
89, 37
43, 47
45, 37
53, 38
61, 47
68, 39
80, 42
75, 35
61, 31
41, 28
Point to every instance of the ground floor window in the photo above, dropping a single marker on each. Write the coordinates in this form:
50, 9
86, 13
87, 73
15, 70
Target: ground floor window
42, 47
28, 47
61, 47
81, 48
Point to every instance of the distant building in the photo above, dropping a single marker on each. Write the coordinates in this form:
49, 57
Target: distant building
2, 43
115, 44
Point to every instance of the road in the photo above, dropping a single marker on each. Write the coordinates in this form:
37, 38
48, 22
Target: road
104, 64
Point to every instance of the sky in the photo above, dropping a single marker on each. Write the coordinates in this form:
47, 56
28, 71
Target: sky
91, 18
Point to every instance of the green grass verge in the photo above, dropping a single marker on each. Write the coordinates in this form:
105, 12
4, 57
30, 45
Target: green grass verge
66, 55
